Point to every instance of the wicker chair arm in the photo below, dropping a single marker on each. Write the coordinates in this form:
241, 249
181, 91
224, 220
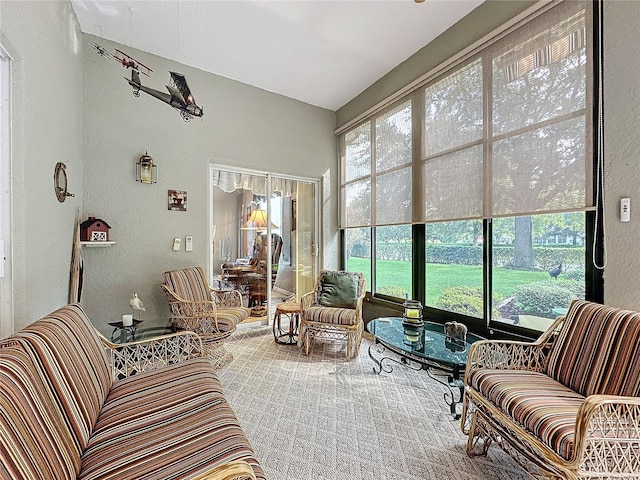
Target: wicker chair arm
513, 355
307, 300
188, 314
127, 359
359, 308
608, 435
237, 470
506, 355
226, 298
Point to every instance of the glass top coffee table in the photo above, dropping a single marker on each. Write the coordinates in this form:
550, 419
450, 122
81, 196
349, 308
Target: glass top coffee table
422, 347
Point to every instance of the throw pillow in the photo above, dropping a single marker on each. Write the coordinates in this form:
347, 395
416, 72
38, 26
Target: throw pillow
338, 289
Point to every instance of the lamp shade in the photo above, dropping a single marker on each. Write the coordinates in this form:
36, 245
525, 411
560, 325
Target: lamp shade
258, 221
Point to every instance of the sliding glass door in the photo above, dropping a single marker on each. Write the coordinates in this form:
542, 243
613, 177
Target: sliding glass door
264, 235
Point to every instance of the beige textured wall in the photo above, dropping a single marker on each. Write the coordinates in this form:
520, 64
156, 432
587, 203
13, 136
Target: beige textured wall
622, 151
44, 41
242, 126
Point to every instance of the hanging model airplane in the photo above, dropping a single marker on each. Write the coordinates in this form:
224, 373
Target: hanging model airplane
127, 61
179, 96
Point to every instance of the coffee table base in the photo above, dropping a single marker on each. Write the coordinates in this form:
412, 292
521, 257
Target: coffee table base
453, 383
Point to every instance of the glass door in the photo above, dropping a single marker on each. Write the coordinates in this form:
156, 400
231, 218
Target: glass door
263, 230
307, 249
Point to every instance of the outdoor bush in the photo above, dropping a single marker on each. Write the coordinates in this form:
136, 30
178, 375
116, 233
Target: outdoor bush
573, 275
543, 257
392, 291
575, 286
464, 300
454, 254
540, 298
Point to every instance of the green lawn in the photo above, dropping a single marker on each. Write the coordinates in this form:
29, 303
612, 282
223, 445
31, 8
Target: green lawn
440, 276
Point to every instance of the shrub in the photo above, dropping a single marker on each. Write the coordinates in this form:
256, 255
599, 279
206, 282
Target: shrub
464, 300
540, 298
397, 292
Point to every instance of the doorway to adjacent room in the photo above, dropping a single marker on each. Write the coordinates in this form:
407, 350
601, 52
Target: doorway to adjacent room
263, 236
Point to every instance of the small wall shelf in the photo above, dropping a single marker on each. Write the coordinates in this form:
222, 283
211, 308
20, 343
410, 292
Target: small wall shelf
97, 244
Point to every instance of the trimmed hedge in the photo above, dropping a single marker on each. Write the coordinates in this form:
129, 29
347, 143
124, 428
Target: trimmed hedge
543, 257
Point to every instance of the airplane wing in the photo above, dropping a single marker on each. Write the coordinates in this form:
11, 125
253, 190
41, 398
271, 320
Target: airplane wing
180, 84
129, 61
177, 95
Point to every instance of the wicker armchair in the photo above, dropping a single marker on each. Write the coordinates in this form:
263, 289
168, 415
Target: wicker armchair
195, 306
566, 406
333, 310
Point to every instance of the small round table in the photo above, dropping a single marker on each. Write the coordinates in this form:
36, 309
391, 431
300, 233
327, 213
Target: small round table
293, 311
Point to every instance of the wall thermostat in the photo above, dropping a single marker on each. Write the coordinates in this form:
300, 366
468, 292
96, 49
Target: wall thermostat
625, 209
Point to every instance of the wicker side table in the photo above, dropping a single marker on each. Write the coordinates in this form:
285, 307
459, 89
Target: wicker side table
293, 311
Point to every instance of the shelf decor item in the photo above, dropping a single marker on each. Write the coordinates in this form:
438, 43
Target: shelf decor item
146, 171
94, 230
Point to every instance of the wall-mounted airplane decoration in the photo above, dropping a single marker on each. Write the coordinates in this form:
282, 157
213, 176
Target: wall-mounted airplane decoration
179, 96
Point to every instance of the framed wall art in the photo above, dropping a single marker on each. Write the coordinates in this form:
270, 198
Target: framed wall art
178, 200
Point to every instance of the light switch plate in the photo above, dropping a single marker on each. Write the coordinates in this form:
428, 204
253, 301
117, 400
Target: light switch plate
188, 243
176, 244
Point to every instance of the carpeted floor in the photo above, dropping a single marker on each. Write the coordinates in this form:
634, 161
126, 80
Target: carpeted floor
322, 418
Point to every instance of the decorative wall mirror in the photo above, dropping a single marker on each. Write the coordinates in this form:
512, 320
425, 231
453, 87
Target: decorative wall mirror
60, 182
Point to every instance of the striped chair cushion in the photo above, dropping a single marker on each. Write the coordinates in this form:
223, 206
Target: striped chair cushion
185, 423
35, 441
228, 318
597, 350
70, 353
541, 405
189, 283
332, 315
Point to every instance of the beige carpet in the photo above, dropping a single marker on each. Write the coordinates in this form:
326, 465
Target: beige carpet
321, 418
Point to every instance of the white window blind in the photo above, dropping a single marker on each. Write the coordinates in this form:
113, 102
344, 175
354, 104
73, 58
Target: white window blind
453, 106
377, 173
539, 152
506, 132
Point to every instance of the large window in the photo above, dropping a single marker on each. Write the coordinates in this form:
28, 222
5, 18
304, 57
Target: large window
499, 191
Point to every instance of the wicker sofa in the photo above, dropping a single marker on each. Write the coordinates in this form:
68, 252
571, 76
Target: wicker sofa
565, 406
73, 406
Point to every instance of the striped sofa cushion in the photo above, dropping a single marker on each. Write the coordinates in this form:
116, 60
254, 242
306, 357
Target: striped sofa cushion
332, 315
171, 423
189, 283
543, 406
35, 441
71, 354
597, 350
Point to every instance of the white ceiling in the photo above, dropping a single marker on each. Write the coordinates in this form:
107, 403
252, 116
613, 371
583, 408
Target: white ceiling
321, 52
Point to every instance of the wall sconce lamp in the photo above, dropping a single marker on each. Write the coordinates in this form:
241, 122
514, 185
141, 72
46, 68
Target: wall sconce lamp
146, 171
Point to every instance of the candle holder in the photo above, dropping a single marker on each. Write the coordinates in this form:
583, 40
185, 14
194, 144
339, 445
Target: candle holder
412, 313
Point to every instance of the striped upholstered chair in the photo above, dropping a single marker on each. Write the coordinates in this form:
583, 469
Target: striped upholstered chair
566, 406
195, 306
333, 310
